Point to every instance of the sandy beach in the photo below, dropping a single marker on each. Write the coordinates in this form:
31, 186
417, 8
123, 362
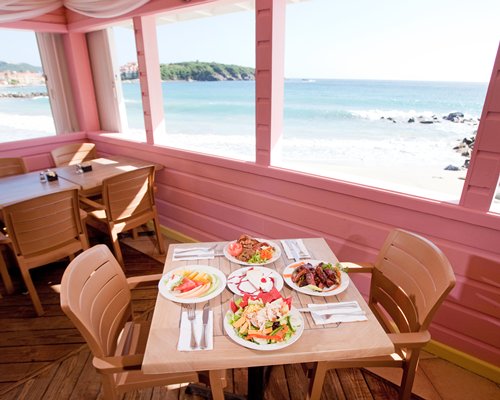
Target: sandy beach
435, 184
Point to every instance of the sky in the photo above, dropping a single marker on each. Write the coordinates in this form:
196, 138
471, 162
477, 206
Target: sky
436, 40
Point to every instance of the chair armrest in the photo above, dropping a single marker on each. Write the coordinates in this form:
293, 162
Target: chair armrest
111, 365
92, 203
411, 340
143, 280
358, 267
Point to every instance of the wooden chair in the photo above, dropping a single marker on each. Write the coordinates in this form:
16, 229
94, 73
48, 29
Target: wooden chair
4, 272
95, 295
43, 230
73, 153
410, 279
128, 202
12, 166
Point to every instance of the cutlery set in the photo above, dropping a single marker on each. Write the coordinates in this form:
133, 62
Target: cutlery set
191, 314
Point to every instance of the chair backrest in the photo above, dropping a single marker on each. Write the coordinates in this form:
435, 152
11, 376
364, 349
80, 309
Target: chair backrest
129, 194
12, 166
46, 225
96, 298
73, 153
411, 279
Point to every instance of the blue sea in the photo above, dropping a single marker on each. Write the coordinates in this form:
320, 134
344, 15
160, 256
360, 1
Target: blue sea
347, 122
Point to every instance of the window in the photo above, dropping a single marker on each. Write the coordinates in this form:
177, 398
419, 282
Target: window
375, 97
25, 110
207, 67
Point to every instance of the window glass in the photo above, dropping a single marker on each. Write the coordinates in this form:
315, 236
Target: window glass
383, 96
24, 103
208, 79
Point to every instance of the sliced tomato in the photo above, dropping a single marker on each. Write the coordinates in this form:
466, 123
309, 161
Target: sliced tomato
187, 285
233, 306
235, 249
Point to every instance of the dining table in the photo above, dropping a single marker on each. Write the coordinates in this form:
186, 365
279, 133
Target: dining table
90, 182
16, 188
317, 342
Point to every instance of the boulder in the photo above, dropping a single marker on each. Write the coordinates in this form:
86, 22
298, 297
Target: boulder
452, 168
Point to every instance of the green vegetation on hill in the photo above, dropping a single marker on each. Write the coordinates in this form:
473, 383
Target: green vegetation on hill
205, 71
22, 67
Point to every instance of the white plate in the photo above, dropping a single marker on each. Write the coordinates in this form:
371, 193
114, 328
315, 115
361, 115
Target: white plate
276, 254
237, 282
344, 280
221, 284
264, 347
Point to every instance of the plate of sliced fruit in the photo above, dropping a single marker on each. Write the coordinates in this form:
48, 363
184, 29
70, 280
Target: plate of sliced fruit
252, 251
192, 284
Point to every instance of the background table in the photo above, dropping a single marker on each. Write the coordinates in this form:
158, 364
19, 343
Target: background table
317, 343
16, 188
90, 182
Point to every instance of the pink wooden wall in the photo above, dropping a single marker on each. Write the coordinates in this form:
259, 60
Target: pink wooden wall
210, 198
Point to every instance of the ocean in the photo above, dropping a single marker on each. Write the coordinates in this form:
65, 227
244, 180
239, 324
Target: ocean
343, 122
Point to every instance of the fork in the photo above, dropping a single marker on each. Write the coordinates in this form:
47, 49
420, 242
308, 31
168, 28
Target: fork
191, 317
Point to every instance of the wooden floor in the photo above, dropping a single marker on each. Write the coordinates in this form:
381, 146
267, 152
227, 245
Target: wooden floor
46, 358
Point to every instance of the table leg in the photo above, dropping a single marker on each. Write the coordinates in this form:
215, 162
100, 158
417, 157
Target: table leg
257, 381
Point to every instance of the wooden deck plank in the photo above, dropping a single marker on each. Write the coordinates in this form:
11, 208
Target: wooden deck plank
353, 384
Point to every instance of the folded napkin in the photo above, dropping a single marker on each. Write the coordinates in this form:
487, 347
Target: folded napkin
194, 253
329, 313
300, 244
185, 331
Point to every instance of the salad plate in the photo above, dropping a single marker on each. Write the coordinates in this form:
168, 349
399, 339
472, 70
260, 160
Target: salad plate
309, 289
276, 254
295, 319
192, 284
254, 280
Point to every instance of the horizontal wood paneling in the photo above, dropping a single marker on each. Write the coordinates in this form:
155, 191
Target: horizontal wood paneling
210, 198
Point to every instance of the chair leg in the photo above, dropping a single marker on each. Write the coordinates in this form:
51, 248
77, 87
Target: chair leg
159, 236
9, 287
116, 247
108, 388
217, 383
32, 291
317, 380
409, 371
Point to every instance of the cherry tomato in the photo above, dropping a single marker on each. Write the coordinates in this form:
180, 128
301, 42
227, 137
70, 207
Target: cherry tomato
235, 249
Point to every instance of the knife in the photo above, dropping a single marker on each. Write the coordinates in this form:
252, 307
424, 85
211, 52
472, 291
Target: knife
205, 315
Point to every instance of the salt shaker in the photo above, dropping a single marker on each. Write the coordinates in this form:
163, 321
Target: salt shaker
43, 178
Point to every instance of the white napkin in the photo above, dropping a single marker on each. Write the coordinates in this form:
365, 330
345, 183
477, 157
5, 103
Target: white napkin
196, 253
184, 343
329, 313
304, 252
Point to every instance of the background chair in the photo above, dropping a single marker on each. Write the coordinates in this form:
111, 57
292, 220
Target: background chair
73, 153
43, 230
410, 279
12, 166
128, 202
95, 295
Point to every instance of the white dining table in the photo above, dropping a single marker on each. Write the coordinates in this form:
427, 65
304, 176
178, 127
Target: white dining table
317, 342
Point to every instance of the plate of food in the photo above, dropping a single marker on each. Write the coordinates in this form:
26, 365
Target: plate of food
252, 251
254, 280
316, 278
265, 322
192, 284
